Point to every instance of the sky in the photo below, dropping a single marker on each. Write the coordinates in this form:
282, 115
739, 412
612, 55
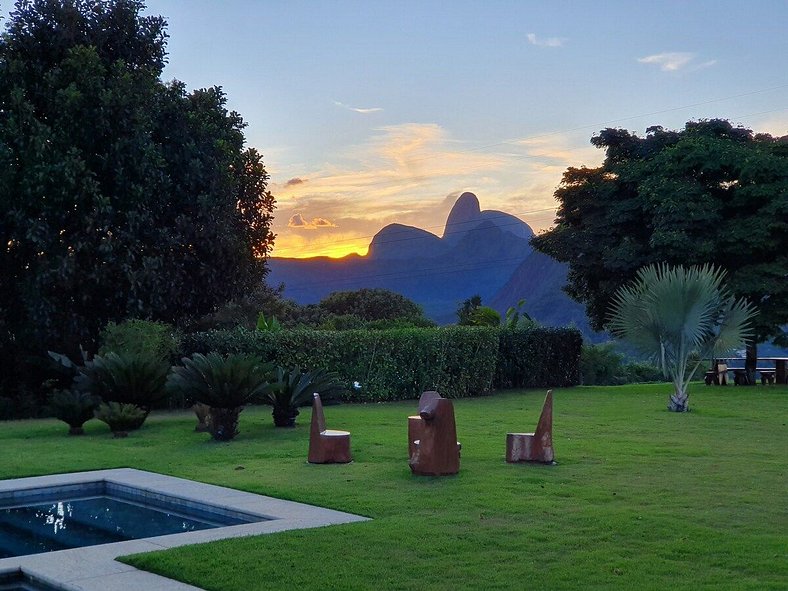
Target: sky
373, 112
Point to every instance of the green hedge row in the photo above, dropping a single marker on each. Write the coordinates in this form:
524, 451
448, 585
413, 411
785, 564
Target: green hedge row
400, 364
538, 358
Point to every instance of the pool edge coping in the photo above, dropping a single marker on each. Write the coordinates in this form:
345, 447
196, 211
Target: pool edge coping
94, 568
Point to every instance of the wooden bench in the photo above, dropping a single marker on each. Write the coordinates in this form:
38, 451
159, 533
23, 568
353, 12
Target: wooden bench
740, 378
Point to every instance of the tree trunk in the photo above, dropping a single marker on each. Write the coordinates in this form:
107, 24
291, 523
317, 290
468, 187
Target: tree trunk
285, 417
751, 361
679, 402
223, 422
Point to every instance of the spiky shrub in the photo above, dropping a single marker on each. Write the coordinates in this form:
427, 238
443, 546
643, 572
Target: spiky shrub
121, 417
74, 408
128, 378
679, 317
225, 384
294, 388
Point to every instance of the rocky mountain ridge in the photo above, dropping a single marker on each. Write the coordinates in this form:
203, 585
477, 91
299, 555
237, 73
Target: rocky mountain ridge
483, 252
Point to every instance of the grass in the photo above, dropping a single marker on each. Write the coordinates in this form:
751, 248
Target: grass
641, 498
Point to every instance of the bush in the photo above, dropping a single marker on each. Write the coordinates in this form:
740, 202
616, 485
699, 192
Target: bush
140, 337
602, 365
120, 417
218, 381
130, 378
295, 388
400, 364
74, 408
224, 384
538, 357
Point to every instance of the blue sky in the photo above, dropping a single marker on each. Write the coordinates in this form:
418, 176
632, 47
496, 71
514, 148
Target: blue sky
378, 112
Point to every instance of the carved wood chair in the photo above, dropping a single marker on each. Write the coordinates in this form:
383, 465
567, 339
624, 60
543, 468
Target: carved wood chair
326, 446
536, 446
436, 452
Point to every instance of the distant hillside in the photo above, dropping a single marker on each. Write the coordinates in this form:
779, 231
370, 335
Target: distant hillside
539, 280
484, 252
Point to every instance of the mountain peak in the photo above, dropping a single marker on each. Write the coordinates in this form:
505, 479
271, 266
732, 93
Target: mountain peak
463, 215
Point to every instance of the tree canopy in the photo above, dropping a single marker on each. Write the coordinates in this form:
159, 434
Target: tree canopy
120, 195
710, 193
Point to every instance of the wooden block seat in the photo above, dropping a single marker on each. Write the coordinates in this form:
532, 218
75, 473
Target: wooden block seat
536, 446
326, 446
432, 438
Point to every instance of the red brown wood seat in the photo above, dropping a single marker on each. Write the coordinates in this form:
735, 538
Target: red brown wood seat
326, 446
436, 452
536, 446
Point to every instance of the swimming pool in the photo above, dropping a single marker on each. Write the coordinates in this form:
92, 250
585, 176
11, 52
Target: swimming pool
61, 517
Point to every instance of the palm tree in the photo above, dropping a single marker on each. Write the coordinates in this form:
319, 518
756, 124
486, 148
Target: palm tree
679, 317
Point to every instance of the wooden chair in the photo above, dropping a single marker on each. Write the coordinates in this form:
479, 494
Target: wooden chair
536, 446
436, 452
325, 445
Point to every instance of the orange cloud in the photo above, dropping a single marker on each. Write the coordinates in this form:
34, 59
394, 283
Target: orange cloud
298, 221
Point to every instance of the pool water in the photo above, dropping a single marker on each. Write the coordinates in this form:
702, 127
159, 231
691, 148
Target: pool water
19, 581
45, 520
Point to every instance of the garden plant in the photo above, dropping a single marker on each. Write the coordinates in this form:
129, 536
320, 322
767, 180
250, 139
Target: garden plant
224, 384
680, 317
295, 387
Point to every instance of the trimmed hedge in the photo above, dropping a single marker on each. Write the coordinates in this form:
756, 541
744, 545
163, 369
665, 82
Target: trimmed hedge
400, 364
539, 358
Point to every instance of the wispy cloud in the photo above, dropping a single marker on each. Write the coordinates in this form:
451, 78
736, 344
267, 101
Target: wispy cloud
533, 39
299, 221
673, 61
363, 111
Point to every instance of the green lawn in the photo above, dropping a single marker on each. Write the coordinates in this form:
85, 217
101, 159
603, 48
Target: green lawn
640, 499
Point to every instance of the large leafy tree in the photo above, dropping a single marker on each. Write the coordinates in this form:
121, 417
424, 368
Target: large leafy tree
710, 193
120, 195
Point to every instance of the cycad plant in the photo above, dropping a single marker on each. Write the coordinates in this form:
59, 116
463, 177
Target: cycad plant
138, 379
679, 317
74, 408
121, 418
225, 384
294, 388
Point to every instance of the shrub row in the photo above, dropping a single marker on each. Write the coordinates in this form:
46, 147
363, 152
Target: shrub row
538, 358
399, 364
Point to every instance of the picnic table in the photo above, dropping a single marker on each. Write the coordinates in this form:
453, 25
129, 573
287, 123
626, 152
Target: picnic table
775, 373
